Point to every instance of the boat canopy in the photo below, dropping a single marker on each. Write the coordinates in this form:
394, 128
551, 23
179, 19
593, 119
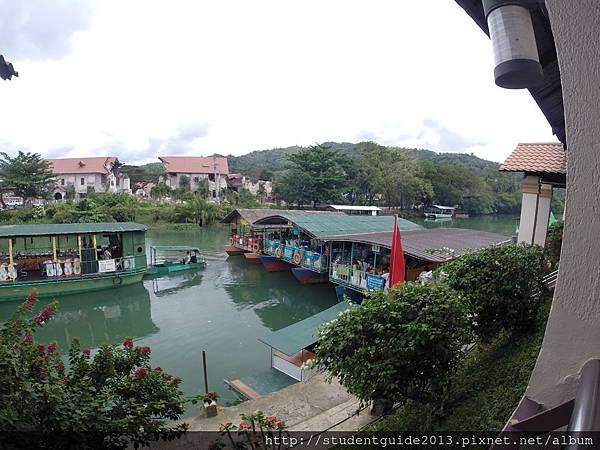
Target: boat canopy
321, 226
290, 340
355, 208
450, 208
174, 248
8, 231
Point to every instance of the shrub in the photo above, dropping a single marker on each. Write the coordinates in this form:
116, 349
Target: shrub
105, 400
398, 345
502, 287
554, 243
122, 213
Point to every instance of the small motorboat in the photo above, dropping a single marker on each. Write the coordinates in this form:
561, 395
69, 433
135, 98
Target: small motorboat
174, 258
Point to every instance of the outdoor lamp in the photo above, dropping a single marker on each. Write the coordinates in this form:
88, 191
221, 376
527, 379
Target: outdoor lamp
516, 60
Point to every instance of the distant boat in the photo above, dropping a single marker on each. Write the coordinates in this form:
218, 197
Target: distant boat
439, 212
171, 258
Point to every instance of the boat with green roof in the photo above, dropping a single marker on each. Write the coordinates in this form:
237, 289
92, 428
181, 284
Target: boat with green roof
174, 258
74, 258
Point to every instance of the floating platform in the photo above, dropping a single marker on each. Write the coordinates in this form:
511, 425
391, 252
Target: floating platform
259, 384
232, 250
252, 258
274, 264
307, 276
342, 292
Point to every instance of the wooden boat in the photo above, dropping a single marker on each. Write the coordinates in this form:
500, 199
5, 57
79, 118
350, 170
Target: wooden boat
174, 258
63, 259
439, 212
307, 276
232, 250
274, 264
252, 258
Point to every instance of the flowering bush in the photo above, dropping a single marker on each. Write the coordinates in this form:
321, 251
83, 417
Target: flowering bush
205, 398
253, 431
107, 399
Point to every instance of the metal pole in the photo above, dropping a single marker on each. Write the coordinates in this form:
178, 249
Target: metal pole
205, 373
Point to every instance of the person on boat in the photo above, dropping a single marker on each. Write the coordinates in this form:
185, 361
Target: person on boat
426, 275
187, 259
194, 258
106, 254
386, 276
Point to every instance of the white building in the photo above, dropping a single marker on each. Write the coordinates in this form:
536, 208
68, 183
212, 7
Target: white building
201, 171
88, 176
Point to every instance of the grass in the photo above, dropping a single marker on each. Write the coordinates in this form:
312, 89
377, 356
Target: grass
484, 391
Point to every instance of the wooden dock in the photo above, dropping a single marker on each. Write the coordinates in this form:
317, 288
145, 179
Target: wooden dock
243, 389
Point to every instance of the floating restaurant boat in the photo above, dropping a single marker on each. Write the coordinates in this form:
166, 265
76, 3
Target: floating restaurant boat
439, 212
292, 350
360, 261
174, 258
62, 259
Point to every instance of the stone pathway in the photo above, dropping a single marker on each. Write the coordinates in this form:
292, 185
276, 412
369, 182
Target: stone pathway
313, 405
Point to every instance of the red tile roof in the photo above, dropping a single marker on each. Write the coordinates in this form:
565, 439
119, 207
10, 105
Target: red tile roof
549, 157
195, 164
100, 164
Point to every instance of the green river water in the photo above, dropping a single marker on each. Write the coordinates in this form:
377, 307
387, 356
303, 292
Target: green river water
222, 309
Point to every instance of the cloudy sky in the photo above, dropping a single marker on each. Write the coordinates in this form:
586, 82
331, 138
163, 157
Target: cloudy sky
141, 78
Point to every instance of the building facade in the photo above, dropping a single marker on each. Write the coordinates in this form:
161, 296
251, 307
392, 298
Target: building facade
81, 177
201, 172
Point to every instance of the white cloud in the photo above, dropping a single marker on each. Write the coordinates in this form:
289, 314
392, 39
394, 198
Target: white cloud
266, 74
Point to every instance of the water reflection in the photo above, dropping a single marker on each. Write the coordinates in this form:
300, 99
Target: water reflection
99, 317
167, 285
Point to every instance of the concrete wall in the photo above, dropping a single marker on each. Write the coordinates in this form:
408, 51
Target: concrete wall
573, 330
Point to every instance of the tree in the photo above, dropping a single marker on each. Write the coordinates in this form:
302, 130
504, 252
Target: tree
199, 210
314, 175
185, 182
398, 345
502, 287
161, 190
27, 175
110, 399
261, 193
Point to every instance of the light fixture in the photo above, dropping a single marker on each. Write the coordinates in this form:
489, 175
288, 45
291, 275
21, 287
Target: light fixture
516, 60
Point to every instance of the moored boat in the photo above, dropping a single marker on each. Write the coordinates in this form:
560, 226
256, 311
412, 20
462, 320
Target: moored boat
274, 264
439, 212
63, 259
307, 276
174, 258
252, 258
232, 250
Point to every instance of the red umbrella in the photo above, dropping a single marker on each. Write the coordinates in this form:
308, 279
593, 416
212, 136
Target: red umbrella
397, 257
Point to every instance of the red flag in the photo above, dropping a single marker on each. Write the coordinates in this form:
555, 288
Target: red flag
397, 257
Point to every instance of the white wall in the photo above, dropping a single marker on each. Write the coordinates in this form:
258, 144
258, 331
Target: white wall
573, 329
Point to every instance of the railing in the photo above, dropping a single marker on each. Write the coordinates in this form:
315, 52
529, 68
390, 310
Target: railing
297, 255
550, 280
357, 278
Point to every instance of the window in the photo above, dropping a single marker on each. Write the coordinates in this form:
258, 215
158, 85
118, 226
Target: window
83, 181
214, 193
211, 177
62, 181
196, 179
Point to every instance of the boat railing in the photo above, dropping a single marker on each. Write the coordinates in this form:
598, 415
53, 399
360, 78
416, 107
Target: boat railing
357, 278
271, 247
313, 261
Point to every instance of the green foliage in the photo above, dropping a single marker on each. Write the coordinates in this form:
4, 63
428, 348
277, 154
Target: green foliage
501, 286
554, 243
198, 210
486, 389
398, 345
27, 175
314, 176
144, 173
161, 190
185, 182
242, 199
112, 398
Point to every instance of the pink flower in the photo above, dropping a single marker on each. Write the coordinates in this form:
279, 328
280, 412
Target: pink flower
41, 348
128, 343
166, 377
59, 365
86, 351
44, 316
158, 369
213, 396
140, 373
278, 424
176, 381
271, 418
143, 350
245, 425
31, 299
28, 337
52, 347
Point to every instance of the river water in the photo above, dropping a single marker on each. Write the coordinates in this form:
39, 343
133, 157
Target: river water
222, 309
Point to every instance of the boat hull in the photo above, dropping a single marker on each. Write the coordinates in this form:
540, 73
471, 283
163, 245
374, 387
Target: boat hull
274, 264
341, 292
252, 258
233, 251
306, 276
160, 270
438, 216
60, 287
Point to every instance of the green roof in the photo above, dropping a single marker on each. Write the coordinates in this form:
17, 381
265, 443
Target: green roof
54, 229
340, 225
292, 339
